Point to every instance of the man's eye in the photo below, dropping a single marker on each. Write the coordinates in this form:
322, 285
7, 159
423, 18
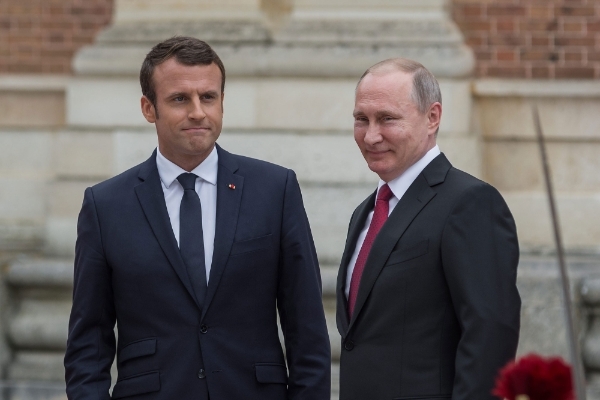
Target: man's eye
178, 98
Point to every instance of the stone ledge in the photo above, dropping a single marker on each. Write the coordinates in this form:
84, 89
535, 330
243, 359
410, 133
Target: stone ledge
536, 88
320, 60
27, 272
33, 83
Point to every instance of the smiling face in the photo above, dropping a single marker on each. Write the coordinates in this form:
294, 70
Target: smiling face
189, 111
389, 129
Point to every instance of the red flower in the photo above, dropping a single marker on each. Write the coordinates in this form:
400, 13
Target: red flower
538, 378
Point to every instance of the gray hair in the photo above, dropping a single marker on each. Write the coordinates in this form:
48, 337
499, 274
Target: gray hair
426, 89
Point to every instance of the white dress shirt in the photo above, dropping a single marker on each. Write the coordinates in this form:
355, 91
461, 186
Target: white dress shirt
206, 187
398, 186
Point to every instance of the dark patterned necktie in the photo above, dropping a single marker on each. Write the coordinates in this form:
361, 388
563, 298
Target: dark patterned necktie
191, 239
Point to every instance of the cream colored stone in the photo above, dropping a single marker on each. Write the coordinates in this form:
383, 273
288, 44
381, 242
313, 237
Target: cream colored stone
560, 117
456, 107
517, 165
315, 158
32, 109
65, 197
132, 148
463, 153
329, 209
149, 10
384, 9
26, 153
22, 199
240, 104
579, 214
83, 154
104, 102
61, 234
306, 104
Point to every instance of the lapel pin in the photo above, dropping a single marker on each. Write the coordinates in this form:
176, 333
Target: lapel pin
231, 186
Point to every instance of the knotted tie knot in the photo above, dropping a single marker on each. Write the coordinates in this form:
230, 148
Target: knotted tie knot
187, 180
385, 193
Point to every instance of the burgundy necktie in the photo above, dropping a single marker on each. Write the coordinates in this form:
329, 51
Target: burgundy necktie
380, 215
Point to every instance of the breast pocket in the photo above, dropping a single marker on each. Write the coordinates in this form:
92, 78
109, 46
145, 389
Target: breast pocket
408, 252
253, 244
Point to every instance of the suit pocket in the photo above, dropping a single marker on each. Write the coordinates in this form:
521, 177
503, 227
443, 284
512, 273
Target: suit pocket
248, 245
408, 253
143, 383
271, 373
140, 348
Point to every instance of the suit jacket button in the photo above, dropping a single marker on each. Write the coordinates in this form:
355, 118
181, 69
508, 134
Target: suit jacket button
201, 374
349, 345
203, 328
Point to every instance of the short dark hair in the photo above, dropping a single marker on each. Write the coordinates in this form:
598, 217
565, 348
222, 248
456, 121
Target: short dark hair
426, 89
186, 50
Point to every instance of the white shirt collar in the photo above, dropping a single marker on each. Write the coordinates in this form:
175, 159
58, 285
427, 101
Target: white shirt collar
169, 171
400, 185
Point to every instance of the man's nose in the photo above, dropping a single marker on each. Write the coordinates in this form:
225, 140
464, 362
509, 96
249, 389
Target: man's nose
196, 110
373, 134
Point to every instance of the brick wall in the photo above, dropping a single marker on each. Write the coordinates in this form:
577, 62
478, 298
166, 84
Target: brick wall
41, 36
547, 39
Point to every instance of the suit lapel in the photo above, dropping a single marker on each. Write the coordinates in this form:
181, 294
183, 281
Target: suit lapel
418, 195
228, 207
357, 223
152, 200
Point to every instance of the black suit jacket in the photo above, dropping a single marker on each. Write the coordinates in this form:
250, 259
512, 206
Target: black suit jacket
437, 311
128, 270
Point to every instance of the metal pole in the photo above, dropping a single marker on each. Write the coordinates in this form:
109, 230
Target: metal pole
578, 375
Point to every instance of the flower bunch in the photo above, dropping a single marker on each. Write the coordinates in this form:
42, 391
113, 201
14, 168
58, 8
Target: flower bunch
535, 378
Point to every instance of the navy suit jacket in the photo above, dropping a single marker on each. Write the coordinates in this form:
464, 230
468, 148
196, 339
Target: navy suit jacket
437, 311
128, 271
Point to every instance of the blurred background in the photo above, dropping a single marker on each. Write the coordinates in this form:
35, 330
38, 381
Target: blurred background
70, 117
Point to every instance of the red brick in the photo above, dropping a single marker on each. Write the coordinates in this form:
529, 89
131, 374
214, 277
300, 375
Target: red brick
593, 56
574, 56
539, 25
593, 26
506, 10
574, 72
507, 72
476, 26
544, 41
483, 55
574, 41
475, 41
573, 27
572, 11
504, 25
539, 55
506, 55
541, 72
540, 11
507, 40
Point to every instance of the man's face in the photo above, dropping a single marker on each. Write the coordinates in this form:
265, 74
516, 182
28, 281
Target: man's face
389, 129
189, 111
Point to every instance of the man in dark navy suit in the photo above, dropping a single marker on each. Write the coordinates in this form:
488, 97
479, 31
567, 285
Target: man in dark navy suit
428, 306
193, 254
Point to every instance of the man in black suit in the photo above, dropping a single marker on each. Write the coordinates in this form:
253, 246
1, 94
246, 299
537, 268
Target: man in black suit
193, 254
427, 301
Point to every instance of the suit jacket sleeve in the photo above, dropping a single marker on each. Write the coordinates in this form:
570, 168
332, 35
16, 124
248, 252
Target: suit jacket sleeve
480, 255
91, 342
300, 305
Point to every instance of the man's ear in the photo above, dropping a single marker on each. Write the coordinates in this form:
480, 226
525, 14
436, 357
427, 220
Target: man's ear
148, 110
222, 98
434, 116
